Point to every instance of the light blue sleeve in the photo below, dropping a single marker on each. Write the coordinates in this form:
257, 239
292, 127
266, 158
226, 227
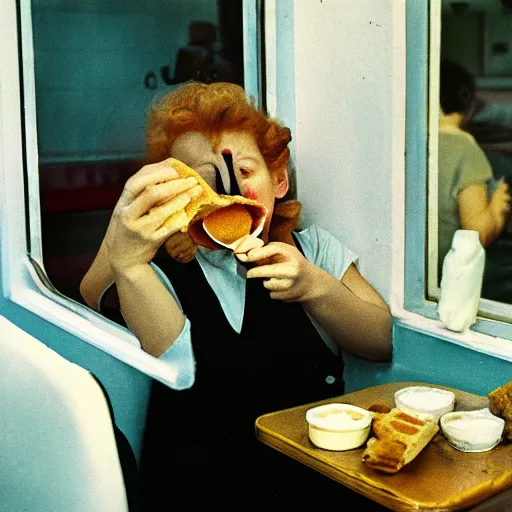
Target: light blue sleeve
326, 251
180, 353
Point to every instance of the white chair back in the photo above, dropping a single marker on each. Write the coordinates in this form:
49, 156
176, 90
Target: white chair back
57, 447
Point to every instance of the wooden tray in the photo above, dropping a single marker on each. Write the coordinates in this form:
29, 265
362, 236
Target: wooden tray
439, 478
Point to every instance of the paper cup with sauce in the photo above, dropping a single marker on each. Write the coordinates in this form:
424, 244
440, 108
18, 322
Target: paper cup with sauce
418, 400
228, 224
338, 427
472, 431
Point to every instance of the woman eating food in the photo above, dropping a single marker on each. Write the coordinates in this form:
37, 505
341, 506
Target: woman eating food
261, 326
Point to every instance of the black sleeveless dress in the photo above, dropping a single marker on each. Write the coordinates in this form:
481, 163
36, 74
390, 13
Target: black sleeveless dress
200, 450
200, 443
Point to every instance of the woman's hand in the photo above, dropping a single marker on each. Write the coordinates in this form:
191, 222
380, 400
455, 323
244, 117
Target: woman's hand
286, 272
246, 244
149, 198
351, 312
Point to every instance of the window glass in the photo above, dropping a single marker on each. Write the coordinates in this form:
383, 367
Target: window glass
473, 149
97, 68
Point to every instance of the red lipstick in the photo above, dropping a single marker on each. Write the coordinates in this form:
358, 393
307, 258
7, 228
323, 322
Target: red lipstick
249, 193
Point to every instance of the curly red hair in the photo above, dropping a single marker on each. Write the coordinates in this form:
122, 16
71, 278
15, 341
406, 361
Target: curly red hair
212, 109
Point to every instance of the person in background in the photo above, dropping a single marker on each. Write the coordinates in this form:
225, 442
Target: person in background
263, 327
491, 126
464, 172
199, 60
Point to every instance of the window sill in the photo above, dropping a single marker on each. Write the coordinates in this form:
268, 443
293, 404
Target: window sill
484, 343
90, 327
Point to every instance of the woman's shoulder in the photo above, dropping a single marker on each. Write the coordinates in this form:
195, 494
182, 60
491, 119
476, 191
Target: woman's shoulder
325, 250
315, 234
311, 231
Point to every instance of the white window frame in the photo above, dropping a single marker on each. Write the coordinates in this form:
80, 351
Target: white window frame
21, 283
487, 308
419, 312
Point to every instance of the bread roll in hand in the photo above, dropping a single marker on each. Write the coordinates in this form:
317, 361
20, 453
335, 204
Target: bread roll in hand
227, 223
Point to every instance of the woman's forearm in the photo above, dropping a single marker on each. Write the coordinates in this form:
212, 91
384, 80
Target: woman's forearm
359, 326
149, 309
97, 279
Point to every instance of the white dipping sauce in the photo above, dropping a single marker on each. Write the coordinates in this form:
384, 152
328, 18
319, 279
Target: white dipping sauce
338, 427
473, 427
472, 431
424, 399
337, 420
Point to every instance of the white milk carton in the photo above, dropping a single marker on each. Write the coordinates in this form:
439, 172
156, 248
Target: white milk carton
461, 283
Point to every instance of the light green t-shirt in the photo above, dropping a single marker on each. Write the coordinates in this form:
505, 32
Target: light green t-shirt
461, 163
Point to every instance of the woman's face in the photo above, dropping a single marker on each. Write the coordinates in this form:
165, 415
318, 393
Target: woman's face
235, 167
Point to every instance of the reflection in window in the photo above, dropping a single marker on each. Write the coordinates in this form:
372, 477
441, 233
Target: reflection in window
199, 60
97, 69
478, 40
491, 127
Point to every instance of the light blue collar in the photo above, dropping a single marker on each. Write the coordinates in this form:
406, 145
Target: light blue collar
227, 277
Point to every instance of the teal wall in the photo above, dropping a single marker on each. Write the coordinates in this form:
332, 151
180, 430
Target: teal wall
91, 61
424, 358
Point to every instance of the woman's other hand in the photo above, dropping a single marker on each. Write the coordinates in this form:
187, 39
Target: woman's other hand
286, 273
149, 198
350, 311
246, 244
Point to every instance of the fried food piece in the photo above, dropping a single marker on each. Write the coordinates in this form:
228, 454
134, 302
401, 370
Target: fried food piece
398, 439
382, 408
500, 404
